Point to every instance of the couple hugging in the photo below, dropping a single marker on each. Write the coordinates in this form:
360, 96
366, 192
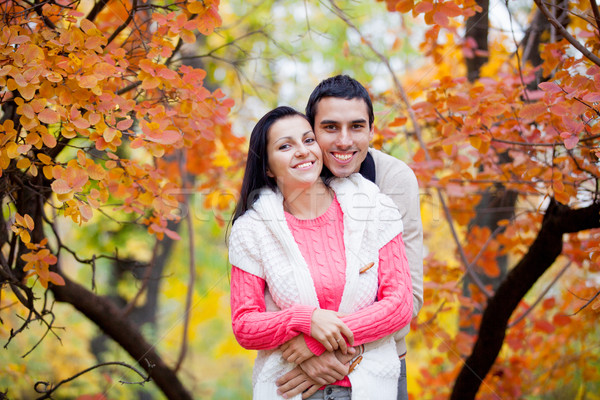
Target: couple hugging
326, 253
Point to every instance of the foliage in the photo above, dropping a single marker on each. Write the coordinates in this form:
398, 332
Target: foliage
112, 118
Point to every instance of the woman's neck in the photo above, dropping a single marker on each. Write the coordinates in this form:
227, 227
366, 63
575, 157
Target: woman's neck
307, 203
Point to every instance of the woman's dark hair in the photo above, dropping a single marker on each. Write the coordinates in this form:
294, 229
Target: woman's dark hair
257, 163
340, 86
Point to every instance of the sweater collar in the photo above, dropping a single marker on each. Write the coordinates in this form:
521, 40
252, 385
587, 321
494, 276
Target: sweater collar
367, 168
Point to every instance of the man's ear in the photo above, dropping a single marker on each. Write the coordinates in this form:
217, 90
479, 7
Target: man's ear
371, 132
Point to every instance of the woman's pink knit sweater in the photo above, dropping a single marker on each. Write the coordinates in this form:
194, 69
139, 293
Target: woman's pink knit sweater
321, 243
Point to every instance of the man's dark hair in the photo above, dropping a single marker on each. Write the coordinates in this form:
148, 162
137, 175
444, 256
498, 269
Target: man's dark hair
341, 86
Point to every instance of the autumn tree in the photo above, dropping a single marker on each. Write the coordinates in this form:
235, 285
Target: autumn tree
524, 124
102, 122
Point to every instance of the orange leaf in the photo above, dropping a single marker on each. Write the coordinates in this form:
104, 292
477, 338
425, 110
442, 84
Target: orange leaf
150, 82
124, 124
56, 278
48, 116
532, 111
400, 121
458, 103
404, 5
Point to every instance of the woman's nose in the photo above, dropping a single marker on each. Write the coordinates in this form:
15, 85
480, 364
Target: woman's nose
301, 151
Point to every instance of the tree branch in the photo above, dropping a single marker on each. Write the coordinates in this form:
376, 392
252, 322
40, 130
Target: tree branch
98, 7
561, 29
124, 24
107, 316
596, 15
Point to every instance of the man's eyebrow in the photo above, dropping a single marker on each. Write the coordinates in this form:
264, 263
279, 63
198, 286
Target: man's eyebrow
331, 121
328, 121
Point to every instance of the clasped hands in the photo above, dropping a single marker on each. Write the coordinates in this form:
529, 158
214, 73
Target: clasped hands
312, 371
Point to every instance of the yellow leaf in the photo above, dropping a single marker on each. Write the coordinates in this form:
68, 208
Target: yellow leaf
25, 236
23, 163
47, 170
196, 7
475, 141
29, 222
12, 150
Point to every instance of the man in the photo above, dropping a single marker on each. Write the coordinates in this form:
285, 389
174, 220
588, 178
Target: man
341, 114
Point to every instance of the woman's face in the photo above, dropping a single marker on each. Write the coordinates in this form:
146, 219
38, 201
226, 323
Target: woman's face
295, 158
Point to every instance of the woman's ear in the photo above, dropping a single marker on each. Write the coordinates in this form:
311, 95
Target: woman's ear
270, 174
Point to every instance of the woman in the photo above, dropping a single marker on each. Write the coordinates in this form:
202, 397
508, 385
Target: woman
325, 261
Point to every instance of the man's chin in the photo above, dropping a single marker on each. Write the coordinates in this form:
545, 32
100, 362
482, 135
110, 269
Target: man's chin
341, 171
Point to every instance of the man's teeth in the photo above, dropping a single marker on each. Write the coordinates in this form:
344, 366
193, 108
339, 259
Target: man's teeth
342, 157
304, 165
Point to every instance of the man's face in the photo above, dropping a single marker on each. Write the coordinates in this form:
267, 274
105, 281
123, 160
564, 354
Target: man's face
343, 132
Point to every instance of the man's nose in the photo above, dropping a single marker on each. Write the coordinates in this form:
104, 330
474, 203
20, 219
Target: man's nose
344, 140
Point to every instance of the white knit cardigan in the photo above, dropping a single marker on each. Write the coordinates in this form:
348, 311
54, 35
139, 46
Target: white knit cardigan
262, 244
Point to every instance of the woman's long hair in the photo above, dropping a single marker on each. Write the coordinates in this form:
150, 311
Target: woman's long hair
257, 163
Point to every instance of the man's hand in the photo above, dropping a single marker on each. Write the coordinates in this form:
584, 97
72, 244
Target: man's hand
328, 367
295, 350
327, 328
296, 382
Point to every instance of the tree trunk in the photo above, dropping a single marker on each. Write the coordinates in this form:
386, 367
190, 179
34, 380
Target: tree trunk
477, 28
558, 220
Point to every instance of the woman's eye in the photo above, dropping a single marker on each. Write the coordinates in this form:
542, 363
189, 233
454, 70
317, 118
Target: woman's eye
284, 146
309, 140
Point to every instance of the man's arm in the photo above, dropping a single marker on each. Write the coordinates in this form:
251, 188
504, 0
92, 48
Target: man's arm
398, 181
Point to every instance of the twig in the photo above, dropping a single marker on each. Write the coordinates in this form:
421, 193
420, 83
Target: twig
42, 387
419, 136
561, 29
537, 301
587, 304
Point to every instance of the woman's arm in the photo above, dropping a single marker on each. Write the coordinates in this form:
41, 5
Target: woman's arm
254, 327
393, 308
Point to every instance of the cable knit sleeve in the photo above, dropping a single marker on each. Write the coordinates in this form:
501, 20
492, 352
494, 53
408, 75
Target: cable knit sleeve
393, 308
254, 327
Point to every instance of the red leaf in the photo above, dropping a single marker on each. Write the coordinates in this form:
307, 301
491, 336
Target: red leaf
544, 326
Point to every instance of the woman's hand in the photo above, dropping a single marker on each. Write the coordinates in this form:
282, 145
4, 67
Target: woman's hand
328, 329
295, 350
